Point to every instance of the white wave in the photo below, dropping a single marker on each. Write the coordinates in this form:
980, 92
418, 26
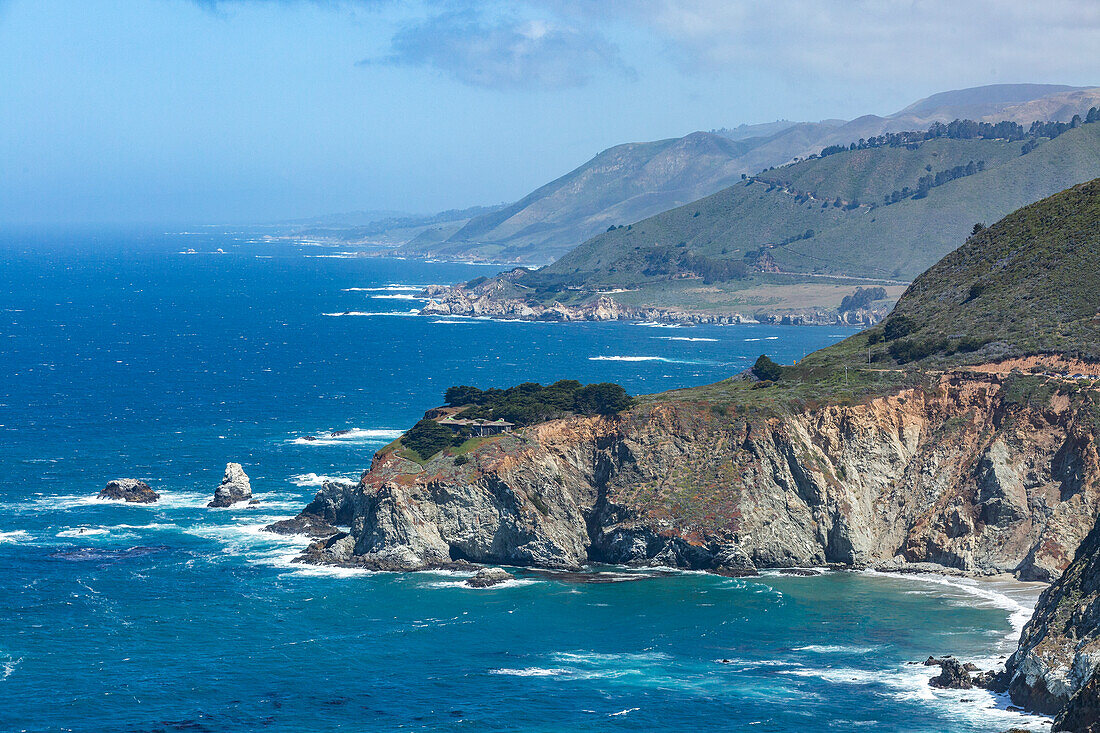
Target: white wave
513, 583
354, 436
1019, 613
14, 536
623, 712
393, 287
683, 338
770, 338
398, 296
654, 324
468, 320
83, 532
644, 358
835, 649
910, 683
8, 665
413, 312
531, 672
313, 479
756, 339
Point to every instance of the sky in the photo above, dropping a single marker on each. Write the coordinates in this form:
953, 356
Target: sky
251, 111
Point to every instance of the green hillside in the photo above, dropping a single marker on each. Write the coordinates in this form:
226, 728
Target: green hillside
829, 215
1028, 285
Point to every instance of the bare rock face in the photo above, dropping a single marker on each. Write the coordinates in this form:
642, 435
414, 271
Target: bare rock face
958, 475
488, 577
235, 487
1082, 713
1059, 653
130, 490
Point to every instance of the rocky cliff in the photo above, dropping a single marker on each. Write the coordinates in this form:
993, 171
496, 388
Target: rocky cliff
985, 472
1056, 668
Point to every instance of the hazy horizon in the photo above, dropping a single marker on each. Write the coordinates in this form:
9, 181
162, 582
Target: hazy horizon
255, 111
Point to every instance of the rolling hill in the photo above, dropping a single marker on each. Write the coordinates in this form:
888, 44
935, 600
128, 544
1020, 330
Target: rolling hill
630, 182
829, 216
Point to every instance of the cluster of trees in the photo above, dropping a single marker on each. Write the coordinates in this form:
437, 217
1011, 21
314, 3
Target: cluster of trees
968, 130
530, 402
861, 298
678, 260
926, 183
428, 437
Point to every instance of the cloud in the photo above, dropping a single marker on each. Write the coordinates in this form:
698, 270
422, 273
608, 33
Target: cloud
506, 53
865, 40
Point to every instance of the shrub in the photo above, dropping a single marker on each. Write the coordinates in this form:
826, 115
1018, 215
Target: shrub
767, 370
462, 460
897, 327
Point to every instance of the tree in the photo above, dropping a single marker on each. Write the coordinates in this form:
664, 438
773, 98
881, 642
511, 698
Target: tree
604, 398
767, 370
463, 395
978, 229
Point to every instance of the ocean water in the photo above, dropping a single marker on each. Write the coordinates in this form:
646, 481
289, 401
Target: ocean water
122, 354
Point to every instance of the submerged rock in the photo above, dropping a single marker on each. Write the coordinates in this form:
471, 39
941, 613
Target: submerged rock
487, 577
310, 525
235, 487
129, 489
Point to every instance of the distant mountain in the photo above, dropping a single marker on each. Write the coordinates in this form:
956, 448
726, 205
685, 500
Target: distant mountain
630, 182
831, 216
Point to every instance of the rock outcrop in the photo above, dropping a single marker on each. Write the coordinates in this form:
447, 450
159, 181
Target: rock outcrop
488, 577
235, 487
493, 299
953, 675
307, 524
971, 472
1059, 654
129, 489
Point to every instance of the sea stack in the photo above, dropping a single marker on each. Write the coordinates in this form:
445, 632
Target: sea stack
129, 489
235, 487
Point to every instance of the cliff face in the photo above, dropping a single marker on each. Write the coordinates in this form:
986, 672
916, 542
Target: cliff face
974, 473
1057, 665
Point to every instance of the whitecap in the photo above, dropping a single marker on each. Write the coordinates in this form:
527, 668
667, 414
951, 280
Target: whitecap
654, 324
645, 358
313, 479
623, 712
398, 296
683, 338
413, 312
835, 649
352, 436
83, 532
531, 672
8, 665
14, 536
393, 287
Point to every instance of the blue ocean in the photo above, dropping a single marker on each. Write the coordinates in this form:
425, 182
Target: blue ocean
163, 356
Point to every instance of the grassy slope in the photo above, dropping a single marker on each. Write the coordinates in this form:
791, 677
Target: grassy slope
1038, 277
889, 241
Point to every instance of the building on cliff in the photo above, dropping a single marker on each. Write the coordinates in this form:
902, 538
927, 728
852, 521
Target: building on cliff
477, 428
